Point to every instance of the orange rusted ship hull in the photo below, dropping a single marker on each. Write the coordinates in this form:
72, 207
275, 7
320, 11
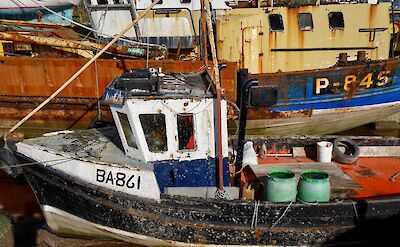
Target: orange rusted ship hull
26, 82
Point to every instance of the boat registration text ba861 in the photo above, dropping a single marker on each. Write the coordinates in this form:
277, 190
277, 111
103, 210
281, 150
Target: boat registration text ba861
118, 178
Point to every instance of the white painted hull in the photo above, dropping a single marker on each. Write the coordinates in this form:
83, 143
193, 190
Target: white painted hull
322, 121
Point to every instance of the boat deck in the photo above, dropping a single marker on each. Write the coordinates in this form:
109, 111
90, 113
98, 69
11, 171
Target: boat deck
375, 176
97, 145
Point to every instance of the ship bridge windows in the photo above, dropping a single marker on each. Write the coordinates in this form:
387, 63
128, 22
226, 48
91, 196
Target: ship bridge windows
186, 1
336, 20
99, 2
275, 23
154, 131
126, 128
305, 21
186, 139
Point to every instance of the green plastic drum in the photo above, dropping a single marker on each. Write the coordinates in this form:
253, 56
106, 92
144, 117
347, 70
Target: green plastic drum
314, 186
280, 186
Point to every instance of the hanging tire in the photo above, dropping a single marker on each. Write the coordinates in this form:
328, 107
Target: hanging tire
351, 150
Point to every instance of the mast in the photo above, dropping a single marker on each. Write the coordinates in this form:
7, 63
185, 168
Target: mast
217, 85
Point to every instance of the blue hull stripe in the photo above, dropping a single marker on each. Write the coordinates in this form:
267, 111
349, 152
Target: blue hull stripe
374, 99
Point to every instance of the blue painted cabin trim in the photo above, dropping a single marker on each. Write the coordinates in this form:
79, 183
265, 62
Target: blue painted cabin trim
189, 173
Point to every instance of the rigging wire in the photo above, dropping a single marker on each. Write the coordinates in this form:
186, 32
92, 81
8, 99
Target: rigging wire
93, 30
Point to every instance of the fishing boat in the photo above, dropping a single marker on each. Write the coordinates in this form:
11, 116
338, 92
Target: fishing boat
33, 10
293, 50
158, 178
322, 101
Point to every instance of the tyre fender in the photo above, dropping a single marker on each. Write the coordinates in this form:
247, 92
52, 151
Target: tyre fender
349, 155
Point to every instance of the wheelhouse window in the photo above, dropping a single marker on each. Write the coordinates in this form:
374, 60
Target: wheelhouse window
186, 1
186, 132
102, 2
118, 1
336, 20
154, 131
126, 128
305, 21
275, 23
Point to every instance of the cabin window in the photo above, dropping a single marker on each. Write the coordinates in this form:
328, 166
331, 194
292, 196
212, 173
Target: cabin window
102, 2
118, 1
160, 2
305, 21
126, 128
186, 132
154, 131
275, 23
186, 1
336, 20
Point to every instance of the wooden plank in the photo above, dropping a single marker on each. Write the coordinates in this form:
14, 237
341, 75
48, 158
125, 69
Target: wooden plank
341, 183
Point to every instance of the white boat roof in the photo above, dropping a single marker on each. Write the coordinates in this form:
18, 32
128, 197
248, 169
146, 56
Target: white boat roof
97, 145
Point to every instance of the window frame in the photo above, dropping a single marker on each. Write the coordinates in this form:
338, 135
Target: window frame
134, 136
147, 134
299, 24
330, 14
192, 135
280, 20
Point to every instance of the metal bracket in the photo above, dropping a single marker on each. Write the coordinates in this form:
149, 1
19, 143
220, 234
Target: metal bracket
372, 31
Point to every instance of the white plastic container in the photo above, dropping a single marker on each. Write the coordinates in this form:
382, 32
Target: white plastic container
324, 151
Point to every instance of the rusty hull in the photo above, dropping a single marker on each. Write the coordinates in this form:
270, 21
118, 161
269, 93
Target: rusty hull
26, 82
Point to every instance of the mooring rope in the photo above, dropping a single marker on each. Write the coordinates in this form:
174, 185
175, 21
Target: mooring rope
33, 163
356, 211
93, 30
284, 212
254, 221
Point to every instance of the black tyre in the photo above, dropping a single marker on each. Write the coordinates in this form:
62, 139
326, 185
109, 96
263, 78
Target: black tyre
351, 150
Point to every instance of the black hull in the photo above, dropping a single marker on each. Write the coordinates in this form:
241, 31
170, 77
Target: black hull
189, 220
